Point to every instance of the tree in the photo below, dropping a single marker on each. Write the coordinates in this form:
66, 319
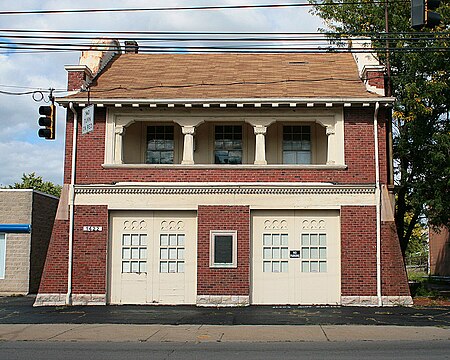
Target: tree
31, 181
421, 84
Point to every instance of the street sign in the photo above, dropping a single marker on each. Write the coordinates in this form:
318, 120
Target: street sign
87, 119
294, 254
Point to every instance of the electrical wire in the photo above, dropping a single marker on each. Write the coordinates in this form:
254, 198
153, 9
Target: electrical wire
190, 8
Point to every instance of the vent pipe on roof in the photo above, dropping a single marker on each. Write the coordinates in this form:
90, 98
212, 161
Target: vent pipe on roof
131, 47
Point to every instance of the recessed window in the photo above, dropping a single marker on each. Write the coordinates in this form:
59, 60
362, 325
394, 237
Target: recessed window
275, 253
160, 144
223, 249
2, 255
134, 253
228, 144
296, 144
314, 252
171, 253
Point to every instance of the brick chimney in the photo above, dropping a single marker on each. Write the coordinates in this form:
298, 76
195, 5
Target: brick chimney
370, 70
91, 62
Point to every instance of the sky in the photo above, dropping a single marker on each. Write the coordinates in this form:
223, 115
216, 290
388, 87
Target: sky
21, 150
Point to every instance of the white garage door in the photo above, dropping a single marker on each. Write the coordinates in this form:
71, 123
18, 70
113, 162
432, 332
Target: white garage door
296, 257
153, 257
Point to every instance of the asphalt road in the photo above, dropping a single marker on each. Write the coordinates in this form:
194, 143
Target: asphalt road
19, 310
218, 351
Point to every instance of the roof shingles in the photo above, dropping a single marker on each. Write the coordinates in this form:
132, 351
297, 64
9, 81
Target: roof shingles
229, 76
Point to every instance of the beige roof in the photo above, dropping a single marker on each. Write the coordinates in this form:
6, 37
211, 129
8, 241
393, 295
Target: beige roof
229, 76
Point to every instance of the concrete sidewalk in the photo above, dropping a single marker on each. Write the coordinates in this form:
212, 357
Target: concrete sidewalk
217, 333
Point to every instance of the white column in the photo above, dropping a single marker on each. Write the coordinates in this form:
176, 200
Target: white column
260, 148
118, 148
331, 145
188, 149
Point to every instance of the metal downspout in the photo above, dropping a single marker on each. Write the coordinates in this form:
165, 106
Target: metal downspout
378, 203
71, 205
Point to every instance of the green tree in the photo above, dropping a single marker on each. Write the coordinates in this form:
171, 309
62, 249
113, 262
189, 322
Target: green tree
31, 181
421, 84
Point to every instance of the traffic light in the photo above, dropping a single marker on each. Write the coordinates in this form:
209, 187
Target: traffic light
48, 120
422, 13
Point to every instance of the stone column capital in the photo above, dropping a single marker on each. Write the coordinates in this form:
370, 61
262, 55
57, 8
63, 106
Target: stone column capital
188, 130
260, 130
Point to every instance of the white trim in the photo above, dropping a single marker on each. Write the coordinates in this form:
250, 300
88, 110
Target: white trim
223, 188
233, 234
225, 166
3, 263
224, 102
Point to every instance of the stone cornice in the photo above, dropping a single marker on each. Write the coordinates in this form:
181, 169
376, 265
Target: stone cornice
224, 189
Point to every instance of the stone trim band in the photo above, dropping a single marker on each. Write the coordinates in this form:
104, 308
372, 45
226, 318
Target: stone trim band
225, 189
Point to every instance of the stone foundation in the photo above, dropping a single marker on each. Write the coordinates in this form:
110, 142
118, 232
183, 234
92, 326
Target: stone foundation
373, 301
77, 299
222, 300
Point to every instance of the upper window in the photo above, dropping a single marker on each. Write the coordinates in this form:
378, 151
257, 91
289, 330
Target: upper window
228, 144
296, 144
160, 144
223, 249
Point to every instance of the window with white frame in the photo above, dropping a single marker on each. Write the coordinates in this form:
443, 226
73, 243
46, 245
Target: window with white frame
297, 144
314, 252
134, 253
223, 248
2, 255
171, 253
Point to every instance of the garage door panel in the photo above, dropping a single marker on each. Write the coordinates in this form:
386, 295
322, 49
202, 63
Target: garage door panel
153, 257
297, 254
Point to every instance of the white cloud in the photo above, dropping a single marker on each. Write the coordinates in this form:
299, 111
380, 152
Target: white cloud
21, 151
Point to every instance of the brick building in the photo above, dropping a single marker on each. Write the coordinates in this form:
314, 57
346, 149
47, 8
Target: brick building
26, 221
226, 179
439, 243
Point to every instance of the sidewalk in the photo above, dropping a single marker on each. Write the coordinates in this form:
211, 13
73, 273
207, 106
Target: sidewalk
20, 321
213, 333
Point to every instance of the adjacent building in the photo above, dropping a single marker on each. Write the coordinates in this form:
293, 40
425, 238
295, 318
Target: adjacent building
26, 221
225, 180
439, 247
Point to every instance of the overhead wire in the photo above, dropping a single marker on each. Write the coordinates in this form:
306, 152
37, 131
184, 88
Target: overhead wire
190, 8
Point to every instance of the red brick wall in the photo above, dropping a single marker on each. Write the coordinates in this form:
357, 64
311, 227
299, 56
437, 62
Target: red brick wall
75, 79
359, 155
382, 146
393, 274
219, 281
440, 252
89, 254
376, 78
358, 251
54, 276
89, 250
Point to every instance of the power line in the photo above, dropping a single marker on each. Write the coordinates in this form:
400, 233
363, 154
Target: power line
126, 32
317, 37
187, 8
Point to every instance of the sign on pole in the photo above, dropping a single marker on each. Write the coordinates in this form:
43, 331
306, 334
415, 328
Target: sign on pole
87, 119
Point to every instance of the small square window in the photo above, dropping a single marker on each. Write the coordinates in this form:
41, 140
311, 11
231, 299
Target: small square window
223, 248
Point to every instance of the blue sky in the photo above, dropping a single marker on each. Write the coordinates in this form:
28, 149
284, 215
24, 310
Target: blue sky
21, 151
